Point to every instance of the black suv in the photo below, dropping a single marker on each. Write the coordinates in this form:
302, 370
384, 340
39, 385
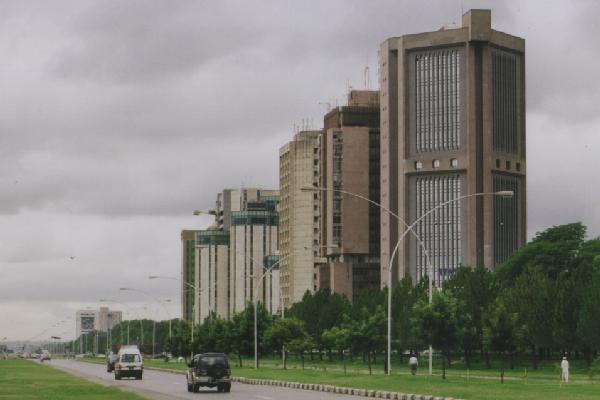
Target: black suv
209, 369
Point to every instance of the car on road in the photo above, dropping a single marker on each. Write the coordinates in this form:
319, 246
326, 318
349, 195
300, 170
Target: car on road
210, 370
111, 358
45, 356
129, 363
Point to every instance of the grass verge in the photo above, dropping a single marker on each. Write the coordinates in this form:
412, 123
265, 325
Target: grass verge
21, 379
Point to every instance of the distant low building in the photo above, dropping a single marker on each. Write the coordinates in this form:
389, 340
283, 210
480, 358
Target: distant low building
101, 320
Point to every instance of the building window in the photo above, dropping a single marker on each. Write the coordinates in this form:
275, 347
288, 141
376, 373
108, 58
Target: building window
418, 165
518, 166
437, 100
436, 163
497, 163
454, 163
506, 101
508, 165
440, 231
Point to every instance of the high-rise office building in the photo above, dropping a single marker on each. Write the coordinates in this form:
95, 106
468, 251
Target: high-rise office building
253, 236
188, 268
101, 320
212, 270
349, 226
453, 124
230, 255
298, 215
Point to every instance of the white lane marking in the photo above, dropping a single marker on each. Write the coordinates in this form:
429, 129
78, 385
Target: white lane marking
263, 397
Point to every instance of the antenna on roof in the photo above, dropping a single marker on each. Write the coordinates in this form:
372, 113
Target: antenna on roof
367, 78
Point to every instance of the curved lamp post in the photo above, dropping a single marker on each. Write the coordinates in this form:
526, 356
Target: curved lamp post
196, 291
409, 228
155, 299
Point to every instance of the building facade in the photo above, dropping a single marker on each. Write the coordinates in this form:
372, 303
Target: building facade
212, 248
253, 236
298, 215
188, 273
452, 124
229, 255
349, 226
101, 320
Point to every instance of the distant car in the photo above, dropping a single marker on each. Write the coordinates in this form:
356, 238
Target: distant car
45, 356
111, 358
129, 363
211, 370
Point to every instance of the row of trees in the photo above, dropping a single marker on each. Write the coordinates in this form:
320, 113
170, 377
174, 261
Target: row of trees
542, 301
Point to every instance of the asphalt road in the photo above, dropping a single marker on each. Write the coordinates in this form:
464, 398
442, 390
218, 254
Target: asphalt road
158, 385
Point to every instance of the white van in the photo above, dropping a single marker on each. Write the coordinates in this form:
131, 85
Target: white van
129, 363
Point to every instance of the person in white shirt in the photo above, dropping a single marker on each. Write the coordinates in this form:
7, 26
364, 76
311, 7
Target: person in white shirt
564, 368
413, 364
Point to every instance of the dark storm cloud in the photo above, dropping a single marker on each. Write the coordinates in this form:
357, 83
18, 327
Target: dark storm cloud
118, 118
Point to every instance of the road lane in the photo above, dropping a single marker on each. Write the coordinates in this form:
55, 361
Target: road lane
158, 385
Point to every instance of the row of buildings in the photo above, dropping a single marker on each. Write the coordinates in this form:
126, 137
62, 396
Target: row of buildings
448, 121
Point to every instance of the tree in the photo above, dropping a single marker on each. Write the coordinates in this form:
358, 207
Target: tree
474, 290
436, 322
368, 332
530, 298
242, 330
338, 338
285, 332
588, 325
500, 331
320, 311
404, 298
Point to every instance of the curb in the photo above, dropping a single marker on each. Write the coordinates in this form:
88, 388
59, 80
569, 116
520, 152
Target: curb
379, 394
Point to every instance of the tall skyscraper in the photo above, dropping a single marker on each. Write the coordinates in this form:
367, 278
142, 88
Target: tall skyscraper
453, 124
253, 236
349, 226
188, 267
298, 215
231, 254
212, 247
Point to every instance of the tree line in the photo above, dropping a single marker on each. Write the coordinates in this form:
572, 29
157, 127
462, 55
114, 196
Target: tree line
543, 302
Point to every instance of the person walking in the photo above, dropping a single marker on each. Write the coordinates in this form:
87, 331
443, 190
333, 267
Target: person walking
564, 368
413, 363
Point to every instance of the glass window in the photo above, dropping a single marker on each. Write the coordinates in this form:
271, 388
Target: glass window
436, 163
418, 165
454, 163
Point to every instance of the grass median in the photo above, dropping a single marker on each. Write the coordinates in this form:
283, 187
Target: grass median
21, 379
476, 384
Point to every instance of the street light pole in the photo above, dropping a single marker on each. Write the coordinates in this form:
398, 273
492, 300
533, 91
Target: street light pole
196, 293
409, 228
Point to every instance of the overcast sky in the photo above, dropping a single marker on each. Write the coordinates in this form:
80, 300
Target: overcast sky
118, 118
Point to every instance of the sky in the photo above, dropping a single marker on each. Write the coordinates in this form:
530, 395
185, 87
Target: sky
119, 118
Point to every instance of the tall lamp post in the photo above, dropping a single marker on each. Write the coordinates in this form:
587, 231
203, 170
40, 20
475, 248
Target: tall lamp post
155, 299
196, 292
131, 312
409, 228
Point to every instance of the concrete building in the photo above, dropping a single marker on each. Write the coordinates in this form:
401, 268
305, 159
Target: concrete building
349, 226
212, 270
100, 320
298, 215
188, 268
253, 236
452, 124
229, 255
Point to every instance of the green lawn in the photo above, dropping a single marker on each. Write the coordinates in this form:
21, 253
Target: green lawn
21, 379
481, 383
478, 383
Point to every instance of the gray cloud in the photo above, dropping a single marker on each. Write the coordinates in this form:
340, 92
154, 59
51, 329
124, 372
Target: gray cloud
117, 118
